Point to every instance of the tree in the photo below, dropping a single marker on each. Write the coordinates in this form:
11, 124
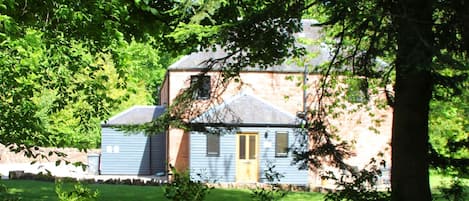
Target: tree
413, 91
415, 36
66, 66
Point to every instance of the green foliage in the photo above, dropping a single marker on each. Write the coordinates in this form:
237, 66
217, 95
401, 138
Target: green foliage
66, 66
249, 28
272, 192
43, 76
449, 126
183, 188
357, 90
145, 66
79, 192
53, 92
454, 191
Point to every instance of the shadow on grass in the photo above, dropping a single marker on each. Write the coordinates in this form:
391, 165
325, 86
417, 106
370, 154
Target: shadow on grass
245, 194
31, 190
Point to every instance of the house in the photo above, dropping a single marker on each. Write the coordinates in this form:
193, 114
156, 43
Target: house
241, 127
252, 121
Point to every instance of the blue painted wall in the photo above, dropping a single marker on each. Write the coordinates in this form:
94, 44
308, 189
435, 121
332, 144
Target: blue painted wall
222, 168
136, 154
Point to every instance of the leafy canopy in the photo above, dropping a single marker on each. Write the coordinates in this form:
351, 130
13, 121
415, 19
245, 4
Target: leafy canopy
66, 66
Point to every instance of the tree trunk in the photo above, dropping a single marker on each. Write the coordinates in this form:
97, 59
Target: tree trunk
413, 89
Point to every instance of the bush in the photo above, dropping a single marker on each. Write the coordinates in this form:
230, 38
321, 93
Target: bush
79, 192
183, 188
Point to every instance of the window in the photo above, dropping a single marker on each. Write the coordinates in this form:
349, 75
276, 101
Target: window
247, 146
281, 144
213, 145
201, 85
242, 147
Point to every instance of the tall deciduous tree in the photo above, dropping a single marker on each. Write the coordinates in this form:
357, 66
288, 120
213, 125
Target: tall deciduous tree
413, 91
65, 66
421, 40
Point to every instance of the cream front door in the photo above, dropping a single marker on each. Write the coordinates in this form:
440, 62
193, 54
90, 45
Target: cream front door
247, 157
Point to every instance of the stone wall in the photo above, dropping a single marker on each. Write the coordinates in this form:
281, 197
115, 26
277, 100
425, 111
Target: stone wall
73, 155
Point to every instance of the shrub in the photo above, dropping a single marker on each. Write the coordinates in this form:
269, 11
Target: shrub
183, 188
79, 192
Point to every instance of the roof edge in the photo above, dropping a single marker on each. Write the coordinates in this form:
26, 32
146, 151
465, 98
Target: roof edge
272, 125
105, 124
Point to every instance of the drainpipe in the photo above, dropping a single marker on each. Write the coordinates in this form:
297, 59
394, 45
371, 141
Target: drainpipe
305, 79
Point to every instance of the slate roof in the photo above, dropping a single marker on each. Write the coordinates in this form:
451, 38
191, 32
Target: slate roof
135, 115
248, 110
195, 61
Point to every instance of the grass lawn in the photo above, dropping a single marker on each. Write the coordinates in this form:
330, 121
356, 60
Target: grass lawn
30, 190
45, 191
438, 180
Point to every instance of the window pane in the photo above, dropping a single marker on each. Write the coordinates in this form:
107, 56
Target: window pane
201, 85
213, 145
281, 144
242, 147
252, 147
205, 88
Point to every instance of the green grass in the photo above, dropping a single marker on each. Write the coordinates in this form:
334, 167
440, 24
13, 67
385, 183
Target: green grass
45, 191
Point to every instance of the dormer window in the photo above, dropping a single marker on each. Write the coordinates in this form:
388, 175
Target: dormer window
201, 86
